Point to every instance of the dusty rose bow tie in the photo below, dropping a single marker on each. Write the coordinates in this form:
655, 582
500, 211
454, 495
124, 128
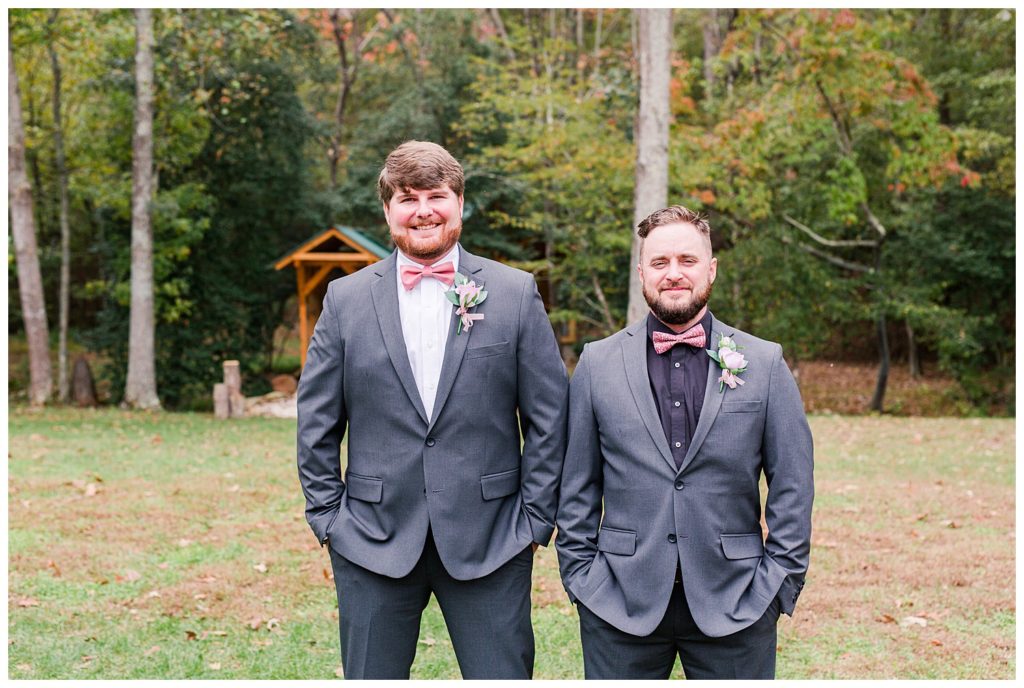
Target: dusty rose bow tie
694, 337
445, 272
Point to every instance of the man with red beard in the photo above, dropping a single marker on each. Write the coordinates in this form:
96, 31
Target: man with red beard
433, 360
672, 421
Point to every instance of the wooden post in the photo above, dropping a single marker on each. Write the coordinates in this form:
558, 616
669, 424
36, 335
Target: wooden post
221, 403
233, 384
300, 272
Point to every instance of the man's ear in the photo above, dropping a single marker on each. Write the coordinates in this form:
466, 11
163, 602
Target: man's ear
713, 270
387, 217
461, 199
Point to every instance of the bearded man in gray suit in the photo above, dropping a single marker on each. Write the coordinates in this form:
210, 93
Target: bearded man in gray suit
672, 421
443, 368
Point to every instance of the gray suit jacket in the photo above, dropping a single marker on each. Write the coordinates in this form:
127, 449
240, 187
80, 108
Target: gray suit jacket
462, 472
620, 560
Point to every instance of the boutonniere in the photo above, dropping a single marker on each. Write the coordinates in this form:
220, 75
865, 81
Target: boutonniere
465, 295
731, 361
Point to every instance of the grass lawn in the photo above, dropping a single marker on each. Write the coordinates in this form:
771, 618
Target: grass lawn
174, 546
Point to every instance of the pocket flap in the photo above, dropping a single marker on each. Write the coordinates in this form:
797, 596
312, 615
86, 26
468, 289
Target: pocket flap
744, 546
741, 406
614, 541
364, 488
488, 350
501, 484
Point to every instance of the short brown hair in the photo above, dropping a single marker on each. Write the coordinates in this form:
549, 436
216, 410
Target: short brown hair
419, 165
674, 214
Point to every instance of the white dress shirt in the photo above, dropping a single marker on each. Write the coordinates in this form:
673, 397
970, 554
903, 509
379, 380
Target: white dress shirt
426, 316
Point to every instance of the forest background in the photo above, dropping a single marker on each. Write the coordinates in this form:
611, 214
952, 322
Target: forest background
858, 168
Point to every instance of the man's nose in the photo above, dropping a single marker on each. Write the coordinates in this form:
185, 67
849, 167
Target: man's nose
674, 271
423, 209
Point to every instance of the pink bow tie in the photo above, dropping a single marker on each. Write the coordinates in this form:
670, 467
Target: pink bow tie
694, 337
445, 272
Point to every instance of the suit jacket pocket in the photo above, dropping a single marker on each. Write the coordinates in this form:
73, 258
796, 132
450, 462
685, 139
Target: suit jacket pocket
741, 406
615, 541
489, 350
364, 488
501, 484
745, 546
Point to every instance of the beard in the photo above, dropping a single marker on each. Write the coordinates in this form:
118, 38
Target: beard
427, 249
678, 313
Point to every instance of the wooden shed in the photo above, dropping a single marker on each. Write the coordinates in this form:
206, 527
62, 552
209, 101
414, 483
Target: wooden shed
331, 253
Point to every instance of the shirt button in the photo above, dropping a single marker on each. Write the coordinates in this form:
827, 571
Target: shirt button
676, 365
679, 444
431, 441
676, 404
679, 484
671, 537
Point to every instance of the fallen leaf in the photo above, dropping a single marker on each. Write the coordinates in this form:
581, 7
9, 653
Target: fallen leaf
153, 593
921, 517
199, 596
937, 643
131, 575
156, 439
234, 488
207, 579
273, 623
262, 643
913, 621
429, 642
24, 667
950, 523
28, 602
184, 542
219, 634
339, 672
261, 567
255, 623
886, 618
151, 651
213, 666
80, 484
328, 575
190, 635
90, 490
53, 566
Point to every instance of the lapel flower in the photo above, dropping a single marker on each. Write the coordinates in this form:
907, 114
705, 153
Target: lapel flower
465, 294
730, 360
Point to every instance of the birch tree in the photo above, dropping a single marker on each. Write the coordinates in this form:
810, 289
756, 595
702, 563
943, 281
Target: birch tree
140, 386
654, 55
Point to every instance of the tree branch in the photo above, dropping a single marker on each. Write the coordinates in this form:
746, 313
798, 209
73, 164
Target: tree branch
833, 243
828, 257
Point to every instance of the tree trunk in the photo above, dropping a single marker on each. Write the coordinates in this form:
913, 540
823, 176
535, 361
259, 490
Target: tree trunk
140, 386
63, 382
654, 42
912, 357
712, 46
23, 229
878, 400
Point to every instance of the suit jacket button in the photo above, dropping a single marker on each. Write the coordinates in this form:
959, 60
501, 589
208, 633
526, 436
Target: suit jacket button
679, 484
431, 441
671, 537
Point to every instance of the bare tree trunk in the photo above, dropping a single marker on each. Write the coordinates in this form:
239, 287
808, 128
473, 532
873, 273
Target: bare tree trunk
140, 386
654, 41
63, 381
23, 229
912, 358
712, 46
878, 400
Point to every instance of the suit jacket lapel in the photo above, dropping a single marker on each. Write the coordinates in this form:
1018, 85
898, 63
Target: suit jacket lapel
455, 346
712, 399
634, 357
385, 303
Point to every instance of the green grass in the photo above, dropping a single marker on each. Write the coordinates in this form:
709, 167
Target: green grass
195, 532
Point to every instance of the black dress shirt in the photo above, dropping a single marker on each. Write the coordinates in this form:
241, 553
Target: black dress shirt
678, 379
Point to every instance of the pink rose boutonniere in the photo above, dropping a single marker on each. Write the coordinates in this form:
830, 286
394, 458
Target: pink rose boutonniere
731, 361
465, 295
